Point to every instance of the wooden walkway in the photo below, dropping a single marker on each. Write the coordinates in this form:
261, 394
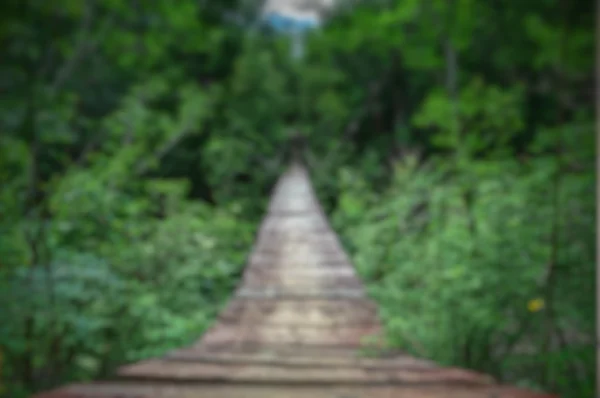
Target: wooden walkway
296, 327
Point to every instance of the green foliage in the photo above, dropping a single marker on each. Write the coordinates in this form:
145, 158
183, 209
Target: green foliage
485, 118
138, 144
454, 262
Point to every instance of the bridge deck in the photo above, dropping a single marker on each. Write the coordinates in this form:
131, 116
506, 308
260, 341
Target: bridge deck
296, 327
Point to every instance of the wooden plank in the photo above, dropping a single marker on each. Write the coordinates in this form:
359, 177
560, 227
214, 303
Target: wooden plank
298, 285
315, 238
291, 264
275, 359
265, 334
304, 272
324, 244
356, 310
297, 333
319, 323
302, 294
300, 248
302, 223
286, 350
268, 231
291, 204
155, 389
191, 371
289, 259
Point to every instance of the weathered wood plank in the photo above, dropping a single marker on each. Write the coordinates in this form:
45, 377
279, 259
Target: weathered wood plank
302, 294
305, 272
155, 389
276, 359
299, 285
266, 334
270, 262
288, 310
189, 371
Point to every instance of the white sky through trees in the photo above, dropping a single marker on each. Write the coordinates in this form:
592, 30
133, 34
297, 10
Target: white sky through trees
313, 10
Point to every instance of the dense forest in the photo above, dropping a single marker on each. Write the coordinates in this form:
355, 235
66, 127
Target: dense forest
450, 141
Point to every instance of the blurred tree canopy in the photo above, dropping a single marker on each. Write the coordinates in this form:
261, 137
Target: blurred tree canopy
139, 141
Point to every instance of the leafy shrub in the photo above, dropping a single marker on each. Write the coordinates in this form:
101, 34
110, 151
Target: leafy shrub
460, 261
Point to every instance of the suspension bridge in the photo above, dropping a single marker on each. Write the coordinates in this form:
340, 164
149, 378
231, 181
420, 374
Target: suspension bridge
300, 325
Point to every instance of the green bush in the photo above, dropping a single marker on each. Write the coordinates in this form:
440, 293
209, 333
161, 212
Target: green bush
468, 272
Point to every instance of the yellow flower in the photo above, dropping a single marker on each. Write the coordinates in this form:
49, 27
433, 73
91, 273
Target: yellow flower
535, 305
